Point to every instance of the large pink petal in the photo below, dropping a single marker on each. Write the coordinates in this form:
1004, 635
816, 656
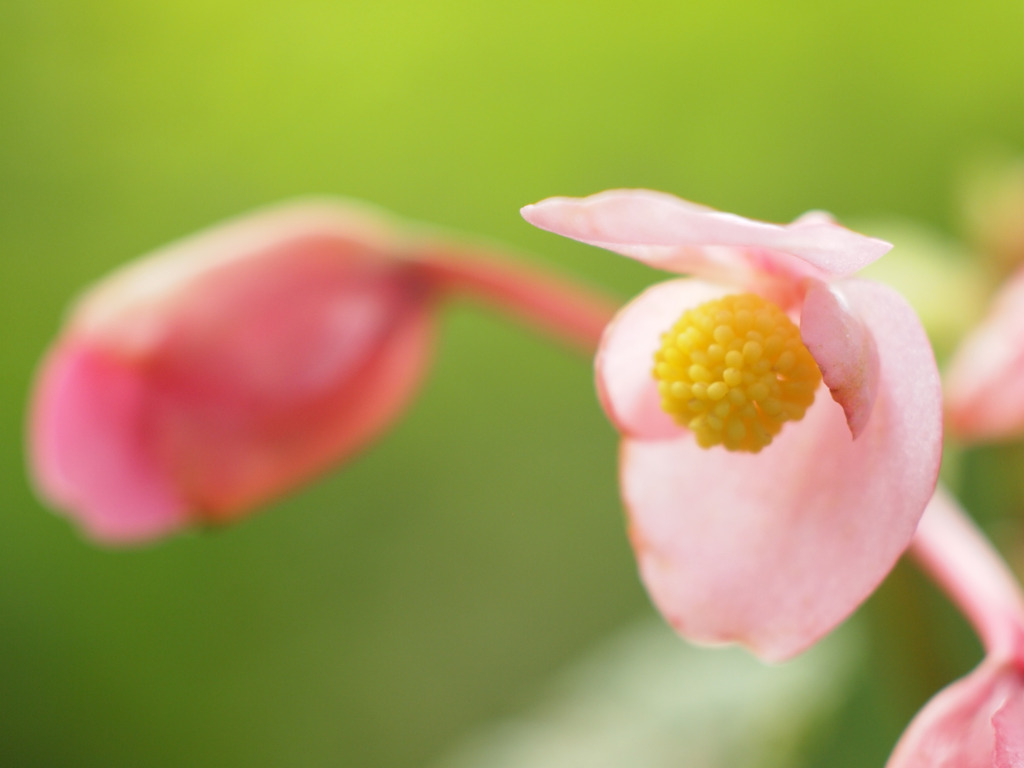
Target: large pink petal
773, 550
974, 723
625, 385
676, 235
985, 380
844, 349
92, 446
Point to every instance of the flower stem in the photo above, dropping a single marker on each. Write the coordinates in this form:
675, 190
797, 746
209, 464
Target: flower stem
951, 548
554, 305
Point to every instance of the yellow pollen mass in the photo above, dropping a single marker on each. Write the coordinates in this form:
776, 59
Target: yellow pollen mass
733, 371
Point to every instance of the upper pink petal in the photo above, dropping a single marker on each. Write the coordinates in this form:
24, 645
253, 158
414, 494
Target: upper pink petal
673, 234
773, 550
985, 380
844, 349
625, 359
974, 723
92, 447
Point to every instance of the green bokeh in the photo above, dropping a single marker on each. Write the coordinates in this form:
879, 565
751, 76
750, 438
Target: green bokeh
382, 614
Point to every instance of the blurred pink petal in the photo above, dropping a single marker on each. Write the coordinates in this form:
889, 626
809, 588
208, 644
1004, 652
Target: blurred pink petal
92, 448
225, 370
977, 722
985, 380
769, 549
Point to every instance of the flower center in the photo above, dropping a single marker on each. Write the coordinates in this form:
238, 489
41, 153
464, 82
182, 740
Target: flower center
734, 370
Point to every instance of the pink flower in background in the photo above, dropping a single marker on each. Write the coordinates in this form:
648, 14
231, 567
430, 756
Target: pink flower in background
227, 368
985, 379
761, 512
977, 722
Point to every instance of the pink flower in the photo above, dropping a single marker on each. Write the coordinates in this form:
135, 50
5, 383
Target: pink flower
774, 532
985, 379
977, 722
227, 368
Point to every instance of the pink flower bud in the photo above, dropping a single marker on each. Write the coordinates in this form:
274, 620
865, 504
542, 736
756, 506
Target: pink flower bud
224, 370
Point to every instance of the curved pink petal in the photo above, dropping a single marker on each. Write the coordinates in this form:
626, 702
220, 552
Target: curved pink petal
985, 380
844, 349
92, 447
773, 550
669, 233
977, 722
625, 359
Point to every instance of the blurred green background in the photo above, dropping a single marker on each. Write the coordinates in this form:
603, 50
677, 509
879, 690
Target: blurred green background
390, 611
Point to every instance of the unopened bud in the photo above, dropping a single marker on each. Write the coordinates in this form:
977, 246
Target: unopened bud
217, 373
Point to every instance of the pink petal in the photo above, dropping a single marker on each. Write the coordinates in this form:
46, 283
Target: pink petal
1008, 722
673, 234
773, 550
844, 349
974, 723
92, 447
985, 380
625, 384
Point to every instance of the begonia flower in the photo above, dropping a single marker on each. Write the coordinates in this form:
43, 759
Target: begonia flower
761, 510
985, 378
225, 369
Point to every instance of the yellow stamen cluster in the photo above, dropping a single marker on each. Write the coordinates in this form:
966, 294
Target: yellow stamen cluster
734, 370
